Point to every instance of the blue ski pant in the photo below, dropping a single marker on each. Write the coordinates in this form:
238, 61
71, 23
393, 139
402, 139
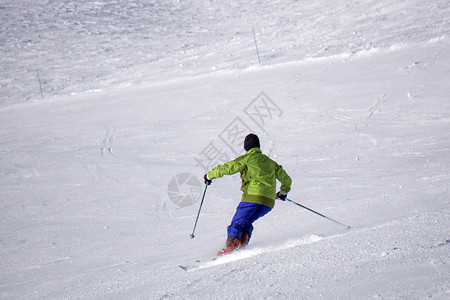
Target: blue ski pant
246, 214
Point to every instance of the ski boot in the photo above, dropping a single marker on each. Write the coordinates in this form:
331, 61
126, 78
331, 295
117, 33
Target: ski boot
231, 245
245, 238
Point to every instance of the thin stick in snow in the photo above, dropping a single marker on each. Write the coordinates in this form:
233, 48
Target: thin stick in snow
256, 45
40, 84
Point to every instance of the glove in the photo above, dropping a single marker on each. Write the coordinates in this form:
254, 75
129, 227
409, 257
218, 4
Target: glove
281, 195
207, 181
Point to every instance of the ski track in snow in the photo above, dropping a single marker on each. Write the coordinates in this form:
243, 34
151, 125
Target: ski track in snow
134, 91
247, 253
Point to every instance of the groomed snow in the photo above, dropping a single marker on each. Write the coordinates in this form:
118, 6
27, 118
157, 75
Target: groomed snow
135, 90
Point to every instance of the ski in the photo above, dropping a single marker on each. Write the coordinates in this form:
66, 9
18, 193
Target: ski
218, 260
195, 266
186, 268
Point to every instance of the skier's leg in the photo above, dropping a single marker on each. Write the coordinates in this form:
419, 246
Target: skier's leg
243, 212
240, 222
259, 212
241, 228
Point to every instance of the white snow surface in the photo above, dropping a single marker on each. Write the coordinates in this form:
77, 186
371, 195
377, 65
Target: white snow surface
133, 92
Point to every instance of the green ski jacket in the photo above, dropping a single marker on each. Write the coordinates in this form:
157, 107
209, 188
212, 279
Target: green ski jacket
258, 174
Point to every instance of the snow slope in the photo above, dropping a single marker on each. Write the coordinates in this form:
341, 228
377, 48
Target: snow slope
362, 90
90, 45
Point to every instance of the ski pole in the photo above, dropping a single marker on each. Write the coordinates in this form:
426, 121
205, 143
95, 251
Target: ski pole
198, 214
348, 227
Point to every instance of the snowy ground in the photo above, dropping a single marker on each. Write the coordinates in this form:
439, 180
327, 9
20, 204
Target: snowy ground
134, 92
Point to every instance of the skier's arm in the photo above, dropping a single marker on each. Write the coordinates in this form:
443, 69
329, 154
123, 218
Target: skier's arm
227, 168
284, 178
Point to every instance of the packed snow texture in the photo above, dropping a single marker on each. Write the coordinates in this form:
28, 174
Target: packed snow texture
90, 45
133, 92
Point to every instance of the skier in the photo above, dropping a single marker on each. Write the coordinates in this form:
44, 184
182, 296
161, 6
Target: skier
258, 174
